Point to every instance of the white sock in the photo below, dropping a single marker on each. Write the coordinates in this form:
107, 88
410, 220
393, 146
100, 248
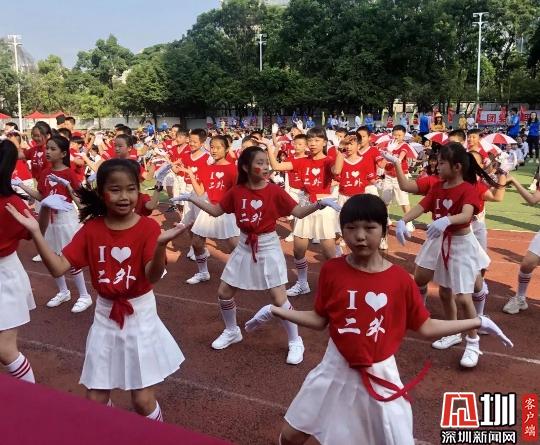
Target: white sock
61, 283
21, 369
479, 301
523, 282
302, 267
202, 262
228, 312
80, 283
291, 328
156, 414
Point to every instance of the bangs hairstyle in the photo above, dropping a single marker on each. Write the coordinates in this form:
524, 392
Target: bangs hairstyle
460, 134
8, 160
222, 139
317, 132
245, 160
364, 207
399, 128
63, 144
126, 138
92, 198
43, 127
200, 133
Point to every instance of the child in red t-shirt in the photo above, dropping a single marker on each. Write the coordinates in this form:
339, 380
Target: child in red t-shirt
451, 255
355, 395
128, 347
258, 262
16, 299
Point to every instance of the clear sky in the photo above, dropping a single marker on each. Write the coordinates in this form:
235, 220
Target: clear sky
66, 27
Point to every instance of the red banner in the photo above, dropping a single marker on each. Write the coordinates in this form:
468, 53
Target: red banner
529, 422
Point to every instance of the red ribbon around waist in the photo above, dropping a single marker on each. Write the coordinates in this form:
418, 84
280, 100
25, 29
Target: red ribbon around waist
367, 378
447, 235
120, 309
252, 241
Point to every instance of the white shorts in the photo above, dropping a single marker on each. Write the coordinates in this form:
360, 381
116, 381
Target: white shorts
140, 355
222, 227
61, 229
321, 224
191, 211
268, 272
391, 192
534, 246
333, 402
16, 299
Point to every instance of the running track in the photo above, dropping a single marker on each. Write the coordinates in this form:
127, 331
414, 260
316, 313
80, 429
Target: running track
241, 393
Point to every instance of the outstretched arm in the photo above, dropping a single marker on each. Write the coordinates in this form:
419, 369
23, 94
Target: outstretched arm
531, 198
307, 319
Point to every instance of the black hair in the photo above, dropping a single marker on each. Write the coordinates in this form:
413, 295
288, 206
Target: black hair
63, 144
93, 204
229, 139
317, 132
77, 140
223, 140
399, 128
12, 124
200, 133
182, 131
65, 132
363, 128
514, 109
8, 160
126, 138
529, 121
300, 136
256, 132
177, 126
475, 131
125, 130
247, 139
455, 153
71, 119
60, 119
43, 127
245, 160
364, 207
342, 130
458, 133
118, 126
429, 171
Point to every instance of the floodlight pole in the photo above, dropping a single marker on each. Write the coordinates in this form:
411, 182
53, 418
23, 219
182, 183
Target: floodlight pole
261, 41
480, 22
15, 40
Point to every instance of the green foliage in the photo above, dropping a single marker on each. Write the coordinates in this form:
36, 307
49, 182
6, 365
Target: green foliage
8, 80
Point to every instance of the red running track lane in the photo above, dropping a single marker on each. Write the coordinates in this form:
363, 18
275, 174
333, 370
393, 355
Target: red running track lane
240, 394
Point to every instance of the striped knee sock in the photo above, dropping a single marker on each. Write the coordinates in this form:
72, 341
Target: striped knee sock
156, 414
202, 262
301, 267
290, 328
21, 369
228, 312
523, 282
78, 277
479, 301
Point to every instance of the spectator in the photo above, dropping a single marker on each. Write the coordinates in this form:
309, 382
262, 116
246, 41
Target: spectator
462, 122
513, 123
471, 122
438, 123
424, 125
532, 139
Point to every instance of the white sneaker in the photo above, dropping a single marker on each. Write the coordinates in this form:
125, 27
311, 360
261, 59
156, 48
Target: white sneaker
37, 259
59, 298
227, 338
446, 342
410, 227
472, 353
199, 277
290, 238
83, 303
383, 245
515, 304
315, 241
296, 352
298, 289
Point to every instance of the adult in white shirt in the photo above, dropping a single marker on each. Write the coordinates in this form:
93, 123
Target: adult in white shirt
471, 122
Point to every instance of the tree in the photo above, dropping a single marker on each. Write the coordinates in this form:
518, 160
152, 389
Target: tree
8, 80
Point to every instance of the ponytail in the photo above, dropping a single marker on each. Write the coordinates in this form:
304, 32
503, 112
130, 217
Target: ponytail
92, 205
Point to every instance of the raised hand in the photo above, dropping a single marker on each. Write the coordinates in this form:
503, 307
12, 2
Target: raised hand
171, 234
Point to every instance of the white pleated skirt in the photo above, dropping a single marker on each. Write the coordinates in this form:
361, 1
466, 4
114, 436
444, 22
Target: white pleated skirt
467, 259
61, 229
429, 253
191, 211
140, 355
321, 224
480, 232
298, 195
222, 227
334, 406
268, 272
534, 246
16, 298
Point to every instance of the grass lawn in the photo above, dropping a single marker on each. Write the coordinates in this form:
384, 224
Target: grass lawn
511, 214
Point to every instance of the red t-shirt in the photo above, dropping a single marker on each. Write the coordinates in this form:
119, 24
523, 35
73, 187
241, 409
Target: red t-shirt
167, 144
38, 161
140, 207
332, 152
217, 179
12, 231
352, 180
317, 175
426, 182
197, 165
256, 211
483, 153
368, 313
176, 151
396, 150
47, 187
116, 258
296, 180
446, 202
481, 188
21, 171
111, 154
77, 169
369, 162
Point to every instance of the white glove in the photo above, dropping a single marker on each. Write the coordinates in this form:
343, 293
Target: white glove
275, 128
300, 124
390, 157
92, 177
57, 202
379, 185
15, 182
262, 316
437, 227
181, 198
162, 172
402, 234
58, 180
278, 179
329, 202
490, 327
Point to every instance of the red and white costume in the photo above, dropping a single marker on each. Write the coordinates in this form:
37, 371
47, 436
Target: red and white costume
38, 162
172, 179
294, 182
197, 164
390, 189
16, 299
217, 180
128, 347
368, 315
257, 263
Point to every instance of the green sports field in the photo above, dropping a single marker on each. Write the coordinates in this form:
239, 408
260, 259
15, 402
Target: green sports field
511, 214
